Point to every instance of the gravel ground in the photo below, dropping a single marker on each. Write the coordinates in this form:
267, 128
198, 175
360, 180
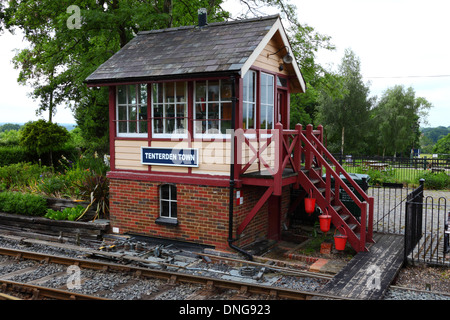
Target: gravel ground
118, 287
422, 278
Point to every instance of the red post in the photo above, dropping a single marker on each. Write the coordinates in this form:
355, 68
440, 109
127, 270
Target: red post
309, 153
362, 231
278, 178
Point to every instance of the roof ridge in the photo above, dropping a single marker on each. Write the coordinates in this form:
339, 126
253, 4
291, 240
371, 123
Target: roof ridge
213, 24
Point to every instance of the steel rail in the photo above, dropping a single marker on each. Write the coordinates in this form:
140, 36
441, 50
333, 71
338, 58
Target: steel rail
38, 292
172, 277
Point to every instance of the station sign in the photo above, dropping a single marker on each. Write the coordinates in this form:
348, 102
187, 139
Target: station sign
185, 157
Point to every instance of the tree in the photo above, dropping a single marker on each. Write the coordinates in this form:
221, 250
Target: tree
344, 107
63, 52
442, 147
398, 115
43, 137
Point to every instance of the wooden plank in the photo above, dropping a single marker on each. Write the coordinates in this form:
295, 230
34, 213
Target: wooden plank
368, 275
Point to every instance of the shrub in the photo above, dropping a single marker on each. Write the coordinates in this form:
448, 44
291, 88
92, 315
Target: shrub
13, 154
20, 174
436, 180
23, 203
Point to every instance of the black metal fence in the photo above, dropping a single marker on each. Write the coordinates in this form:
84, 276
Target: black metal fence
420, 215
394, 169
413, 219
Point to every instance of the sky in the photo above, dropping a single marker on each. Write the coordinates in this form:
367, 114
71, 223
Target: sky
399, 42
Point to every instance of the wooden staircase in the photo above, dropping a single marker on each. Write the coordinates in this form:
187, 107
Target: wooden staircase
317, 158
287, 169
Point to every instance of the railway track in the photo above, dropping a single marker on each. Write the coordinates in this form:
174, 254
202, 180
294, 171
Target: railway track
162, 284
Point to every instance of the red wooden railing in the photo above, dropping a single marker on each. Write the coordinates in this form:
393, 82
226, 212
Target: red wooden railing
289, 147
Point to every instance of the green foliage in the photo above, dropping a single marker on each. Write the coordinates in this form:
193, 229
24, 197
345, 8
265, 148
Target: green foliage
20, 203
13, 154
9, 138
436, 180
43, 137
344, 107
9, 127
96, 190
21, 174
442, 146
70, 214
434, 134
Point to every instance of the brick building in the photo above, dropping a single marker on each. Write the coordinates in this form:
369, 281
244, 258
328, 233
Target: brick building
201, 149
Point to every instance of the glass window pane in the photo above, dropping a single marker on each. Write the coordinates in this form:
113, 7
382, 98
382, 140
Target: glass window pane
158, 111
132, 113
170, 111
170, 92
226, 90
213, 111
213, 91
143, 94
181, 125
121, 94
225, 125
132, 94
213, 126
200, 127
123, 127
165, 189
181, 91
158, 93
200, 91
173, 211
132, 127
170, 126
181, 110
158, 126
200, 110
122, 113
165, 209
226, 111
173, 193
143, 127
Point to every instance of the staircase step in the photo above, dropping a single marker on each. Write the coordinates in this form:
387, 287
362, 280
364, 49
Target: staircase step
345, 217
315, 181
337, 208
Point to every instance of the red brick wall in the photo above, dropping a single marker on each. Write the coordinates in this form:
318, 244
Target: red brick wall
202, 212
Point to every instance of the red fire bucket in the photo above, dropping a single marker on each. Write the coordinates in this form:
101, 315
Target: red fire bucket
340, 240
325, 222
310, 204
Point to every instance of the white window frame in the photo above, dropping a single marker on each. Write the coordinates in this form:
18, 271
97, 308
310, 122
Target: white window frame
209, 135
127, 105
169, 201
246, 98
269, 103
165, 104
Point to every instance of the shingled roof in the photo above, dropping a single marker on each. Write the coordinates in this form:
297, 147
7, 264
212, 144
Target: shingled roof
218, 48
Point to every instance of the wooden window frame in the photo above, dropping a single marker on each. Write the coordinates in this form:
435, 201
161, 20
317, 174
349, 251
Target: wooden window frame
127, 106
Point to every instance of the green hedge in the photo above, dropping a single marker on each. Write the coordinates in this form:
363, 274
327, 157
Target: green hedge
23, 203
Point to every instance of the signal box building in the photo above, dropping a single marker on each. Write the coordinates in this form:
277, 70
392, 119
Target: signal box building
201, 148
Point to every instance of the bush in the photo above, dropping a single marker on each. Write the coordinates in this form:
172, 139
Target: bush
436, 181
23, 203
20, 175
13, 154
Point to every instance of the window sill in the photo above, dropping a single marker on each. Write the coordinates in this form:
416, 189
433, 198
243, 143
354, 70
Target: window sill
166, 221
